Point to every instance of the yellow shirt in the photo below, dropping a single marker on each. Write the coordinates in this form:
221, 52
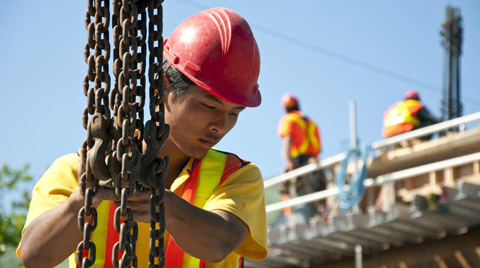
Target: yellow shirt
240, 194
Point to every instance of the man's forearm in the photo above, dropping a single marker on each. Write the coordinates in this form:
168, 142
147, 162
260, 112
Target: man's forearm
205, 235
53, 236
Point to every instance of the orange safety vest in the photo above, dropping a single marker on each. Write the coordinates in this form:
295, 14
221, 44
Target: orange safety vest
207, 175
401, 118
304, 134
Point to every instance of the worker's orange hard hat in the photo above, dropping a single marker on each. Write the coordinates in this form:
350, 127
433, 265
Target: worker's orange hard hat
216, 49
412, 95
288, 101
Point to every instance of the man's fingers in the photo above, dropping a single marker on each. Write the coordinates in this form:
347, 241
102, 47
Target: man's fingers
139, 196
105, 193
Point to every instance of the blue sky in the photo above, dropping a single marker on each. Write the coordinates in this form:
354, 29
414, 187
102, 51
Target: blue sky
42, 69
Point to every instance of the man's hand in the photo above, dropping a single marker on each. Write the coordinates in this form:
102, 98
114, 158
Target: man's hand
289, 165
139, 203
287, 146
104, 193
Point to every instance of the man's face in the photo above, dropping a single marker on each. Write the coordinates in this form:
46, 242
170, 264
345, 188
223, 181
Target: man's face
198, 120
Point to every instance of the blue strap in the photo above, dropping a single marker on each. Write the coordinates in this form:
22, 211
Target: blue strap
348, 198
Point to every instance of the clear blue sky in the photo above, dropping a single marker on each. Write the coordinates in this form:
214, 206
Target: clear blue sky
42, 68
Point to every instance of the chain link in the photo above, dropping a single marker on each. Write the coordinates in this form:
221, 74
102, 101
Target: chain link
114, 153
158, 133
95, 147
126, 117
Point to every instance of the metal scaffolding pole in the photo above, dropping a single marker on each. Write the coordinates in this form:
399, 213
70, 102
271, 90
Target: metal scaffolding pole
451, 33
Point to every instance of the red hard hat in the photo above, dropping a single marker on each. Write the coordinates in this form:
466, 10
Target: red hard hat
412, 95
288, 100
216, 49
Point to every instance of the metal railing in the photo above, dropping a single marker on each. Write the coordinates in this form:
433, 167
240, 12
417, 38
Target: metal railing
391, 177
426, 131
327, 162
330, 161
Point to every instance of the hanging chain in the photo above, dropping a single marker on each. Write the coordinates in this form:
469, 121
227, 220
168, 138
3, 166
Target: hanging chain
126, 118
97, 126
158, 134
114, 153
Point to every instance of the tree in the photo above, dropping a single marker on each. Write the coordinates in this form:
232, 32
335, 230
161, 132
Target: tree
13, 208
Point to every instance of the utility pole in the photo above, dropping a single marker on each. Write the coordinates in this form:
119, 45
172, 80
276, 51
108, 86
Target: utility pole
452, 31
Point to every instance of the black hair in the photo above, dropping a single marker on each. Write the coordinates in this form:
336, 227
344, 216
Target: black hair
178, 81
293, 108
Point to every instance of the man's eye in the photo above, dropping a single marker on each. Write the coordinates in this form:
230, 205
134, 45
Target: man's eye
209, 107
234, 114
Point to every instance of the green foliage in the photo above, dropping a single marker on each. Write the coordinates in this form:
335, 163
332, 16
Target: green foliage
11, 222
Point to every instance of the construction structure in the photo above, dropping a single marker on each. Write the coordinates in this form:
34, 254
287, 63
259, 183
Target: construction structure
420, 197
417, 205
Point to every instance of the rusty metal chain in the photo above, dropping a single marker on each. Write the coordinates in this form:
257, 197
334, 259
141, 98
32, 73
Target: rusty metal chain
158, 134
97, 109
126, 116
114, 153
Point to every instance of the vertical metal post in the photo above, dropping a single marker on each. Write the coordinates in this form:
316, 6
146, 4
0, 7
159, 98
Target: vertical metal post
458, 52
452, 42
358, 256
450, 67
354, 141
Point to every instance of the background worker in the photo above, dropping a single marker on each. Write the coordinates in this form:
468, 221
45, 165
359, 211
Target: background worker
301, 144
407, 115
214, 203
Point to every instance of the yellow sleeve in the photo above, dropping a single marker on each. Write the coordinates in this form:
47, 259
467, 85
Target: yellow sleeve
242, 195
54, 188
284, 126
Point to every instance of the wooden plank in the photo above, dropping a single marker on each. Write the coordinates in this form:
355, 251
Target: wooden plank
433, 179
426, 152
440, 262
476, 168
449, 177
461, 259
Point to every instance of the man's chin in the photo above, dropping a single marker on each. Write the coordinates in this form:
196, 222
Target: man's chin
199, 153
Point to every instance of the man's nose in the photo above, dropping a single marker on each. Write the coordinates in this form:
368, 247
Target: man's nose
220, 124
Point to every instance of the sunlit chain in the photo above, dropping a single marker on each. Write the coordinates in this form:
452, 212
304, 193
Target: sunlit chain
114, 152
158, 133
97, 127
126, 115
139, 65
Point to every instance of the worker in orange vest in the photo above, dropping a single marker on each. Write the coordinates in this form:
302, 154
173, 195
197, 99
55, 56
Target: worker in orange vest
407, 115
214, 201
301, 145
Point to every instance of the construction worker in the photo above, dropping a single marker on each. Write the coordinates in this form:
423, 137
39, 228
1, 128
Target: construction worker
211, 68
301, 145
407, 115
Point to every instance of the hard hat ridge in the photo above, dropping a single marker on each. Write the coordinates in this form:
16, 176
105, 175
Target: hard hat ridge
216, 49
412, 95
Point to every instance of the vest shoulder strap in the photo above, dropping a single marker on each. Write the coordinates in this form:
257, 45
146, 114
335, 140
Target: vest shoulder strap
233, 163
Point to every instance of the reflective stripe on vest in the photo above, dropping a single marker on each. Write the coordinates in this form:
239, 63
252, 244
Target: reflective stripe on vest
401, 118
310, 141
207, 175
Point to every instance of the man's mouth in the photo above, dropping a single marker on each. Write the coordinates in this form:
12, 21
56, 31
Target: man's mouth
208, 143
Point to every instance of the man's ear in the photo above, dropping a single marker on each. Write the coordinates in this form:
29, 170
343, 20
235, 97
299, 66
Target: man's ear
167, 90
